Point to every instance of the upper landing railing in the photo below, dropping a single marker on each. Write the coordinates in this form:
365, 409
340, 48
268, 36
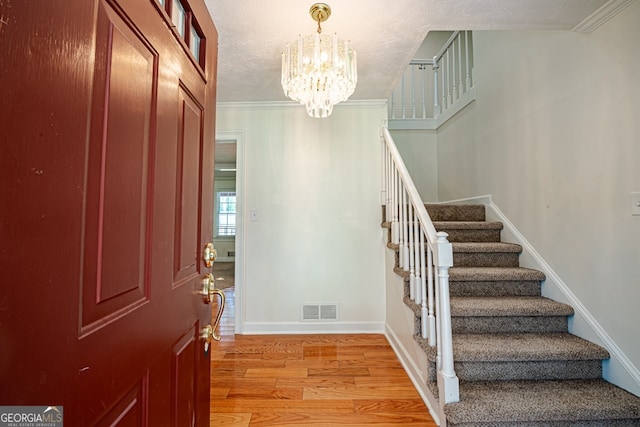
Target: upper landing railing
432, 90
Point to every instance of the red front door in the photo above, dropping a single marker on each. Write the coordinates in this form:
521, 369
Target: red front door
107, 112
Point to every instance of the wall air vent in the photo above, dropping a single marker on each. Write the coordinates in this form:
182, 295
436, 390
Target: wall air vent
319, 312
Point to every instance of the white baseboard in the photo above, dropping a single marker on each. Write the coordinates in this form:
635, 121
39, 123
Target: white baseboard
225, 259
477, 200
414, 373
263, 328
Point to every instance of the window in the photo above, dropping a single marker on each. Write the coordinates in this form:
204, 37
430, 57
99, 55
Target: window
178, 17
226, 213
181, 18
194, 42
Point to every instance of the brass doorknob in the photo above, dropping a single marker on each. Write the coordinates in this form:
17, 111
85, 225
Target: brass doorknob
206, 334
209, 254
220, 310
208, 286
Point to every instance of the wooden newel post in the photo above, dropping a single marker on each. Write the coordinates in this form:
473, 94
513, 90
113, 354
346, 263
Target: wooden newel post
447, 380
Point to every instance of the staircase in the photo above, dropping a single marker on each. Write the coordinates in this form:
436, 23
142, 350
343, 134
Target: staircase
516, 361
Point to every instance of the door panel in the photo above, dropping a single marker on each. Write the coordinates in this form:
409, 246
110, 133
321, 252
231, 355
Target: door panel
183, 386
188, 192
106, 168
131, 410
118, 209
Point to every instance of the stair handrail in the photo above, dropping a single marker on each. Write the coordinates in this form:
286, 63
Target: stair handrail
411, 226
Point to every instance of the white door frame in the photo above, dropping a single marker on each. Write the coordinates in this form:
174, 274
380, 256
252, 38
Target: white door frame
239, 137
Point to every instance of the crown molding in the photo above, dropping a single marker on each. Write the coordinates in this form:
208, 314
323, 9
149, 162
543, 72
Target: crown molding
360, 103
602, 15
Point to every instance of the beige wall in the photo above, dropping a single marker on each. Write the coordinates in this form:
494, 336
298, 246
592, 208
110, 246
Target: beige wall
554, 136
315, 187
419, 152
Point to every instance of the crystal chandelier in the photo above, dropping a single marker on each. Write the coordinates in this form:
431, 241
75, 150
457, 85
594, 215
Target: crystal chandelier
319, 71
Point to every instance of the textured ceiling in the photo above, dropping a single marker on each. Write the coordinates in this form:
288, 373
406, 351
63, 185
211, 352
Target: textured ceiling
386, 34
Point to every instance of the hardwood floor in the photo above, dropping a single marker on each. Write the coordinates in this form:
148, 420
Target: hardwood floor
302, 380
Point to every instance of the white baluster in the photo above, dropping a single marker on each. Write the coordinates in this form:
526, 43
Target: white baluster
468, 53
405, 228
393, 105
436, 105
411, 254
402, 97
461, 88
431, 298
395, 230
448, 79
416, 255
454, 83
424, 91
443, 72
436, 288
385, 187
413, 91
424, 312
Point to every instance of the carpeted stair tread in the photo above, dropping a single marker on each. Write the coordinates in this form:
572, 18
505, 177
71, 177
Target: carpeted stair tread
486, 247
508, 306
524, 347
486, 274
495, 288
456, 212
467, 225
486, 254
470, 231
551, 403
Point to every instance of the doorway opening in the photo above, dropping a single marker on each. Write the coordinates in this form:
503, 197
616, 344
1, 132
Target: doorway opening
227, 226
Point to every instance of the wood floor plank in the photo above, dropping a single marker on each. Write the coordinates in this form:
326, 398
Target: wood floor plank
373, 381
220, 392
388, 372
247, 363
339, 372
362, 348
229, 372
316, 382
373, 363
242, 356
230, 419
382, 393
380, 354
390, 405
264, 393
243, 382
276, 372
353, 420
276, 405
306, 363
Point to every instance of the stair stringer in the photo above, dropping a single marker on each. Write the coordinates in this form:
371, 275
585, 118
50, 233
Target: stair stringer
618, 370
401, 337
